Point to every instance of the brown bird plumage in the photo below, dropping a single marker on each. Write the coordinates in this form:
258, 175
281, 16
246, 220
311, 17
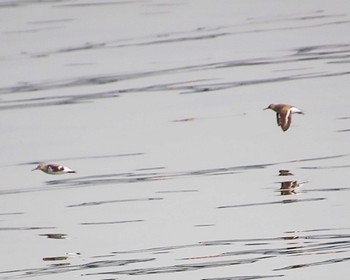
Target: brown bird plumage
284, 114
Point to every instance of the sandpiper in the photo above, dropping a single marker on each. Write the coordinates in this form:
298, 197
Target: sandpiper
53, 169
284, 114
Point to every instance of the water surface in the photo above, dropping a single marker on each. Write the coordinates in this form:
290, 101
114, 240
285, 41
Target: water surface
158, 106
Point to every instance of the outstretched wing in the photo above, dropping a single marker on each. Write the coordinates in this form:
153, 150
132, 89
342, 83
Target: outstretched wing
287, 121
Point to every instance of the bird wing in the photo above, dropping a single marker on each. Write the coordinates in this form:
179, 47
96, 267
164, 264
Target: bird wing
56, 168
288, 120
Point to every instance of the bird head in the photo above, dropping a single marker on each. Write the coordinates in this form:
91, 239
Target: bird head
271, 106
38, 167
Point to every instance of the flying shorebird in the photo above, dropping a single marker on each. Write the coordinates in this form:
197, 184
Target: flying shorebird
284, 114
53, 169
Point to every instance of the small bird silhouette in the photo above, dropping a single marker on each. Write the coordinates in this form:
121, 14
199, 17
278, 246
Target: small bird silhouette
284, 114
53, 169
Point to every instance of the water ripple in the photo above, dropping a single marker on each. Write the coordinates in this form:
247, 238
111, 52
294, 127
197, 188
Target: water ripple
331, 53
180, 267
272, 202
304, 265
110, 223
95, 203
331, 242
250, 277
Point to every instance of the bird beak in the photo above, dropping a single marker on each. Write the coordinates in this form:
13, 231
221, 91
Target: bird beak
266, 108
35, 169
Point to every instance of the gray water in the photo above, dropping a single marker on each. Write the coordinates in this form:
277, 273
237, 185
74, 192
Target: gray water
158, 107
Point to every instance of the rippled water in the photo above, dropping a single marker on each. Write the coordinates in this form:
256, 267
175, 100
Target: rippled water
180, 173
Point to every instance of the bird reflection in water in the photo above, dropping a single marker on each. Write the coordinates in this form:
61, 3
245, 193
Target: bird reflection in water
288, 187
285, 172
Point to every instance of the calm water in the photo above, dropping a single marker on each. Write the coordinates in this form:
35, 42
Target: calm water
158, 106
